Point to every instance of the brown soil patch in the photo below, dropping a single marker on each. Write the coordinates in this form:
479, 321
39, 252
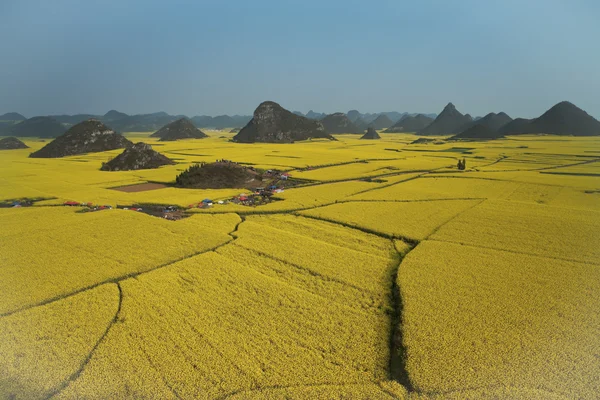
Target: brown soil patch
140, 187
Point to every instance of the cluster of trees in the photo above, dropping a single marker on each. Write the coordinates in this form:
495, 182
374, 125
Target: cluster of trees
462, 164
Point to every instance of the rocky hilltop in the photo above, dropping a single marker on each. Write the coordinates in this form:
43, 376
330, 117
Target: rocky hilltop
371, 134
381, 122
43, 127
89, 136
180, 129
138, 156
218, 175
272, 123
449, 121
410, 124
562, 119
12, 143
339, 123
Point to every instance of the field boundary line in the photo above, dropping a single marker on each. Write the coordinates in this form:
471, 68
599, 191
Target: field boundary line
406, 239
294, 234
364, 308
409, 201
398, 351
311, 272
454, 217
515, 252
123, 277
73, 377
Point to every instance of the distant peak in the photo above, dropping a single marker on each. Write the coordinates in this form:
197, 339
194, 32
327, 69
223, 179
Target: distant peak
565, 105
268, 103
450, 106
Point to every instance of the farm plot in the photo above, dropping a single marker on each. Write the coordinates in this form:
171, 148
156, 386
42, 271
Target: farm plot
92, 248
366, 271
479, 319
242, 320
414, 220
554, 232
353, 391
376, 167
440, 188
43, 347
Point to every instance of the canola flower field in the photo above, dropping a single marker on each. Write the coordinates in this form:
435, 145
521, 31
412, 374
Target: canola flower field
388, 274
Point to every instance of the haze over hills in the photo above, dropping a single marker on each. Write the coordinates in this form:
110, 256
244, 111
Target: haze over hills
381, 122
179, 129
562, 119
220, 121
44, 127
12, 116
360, 123
478, 131
394, 116
410, 124
70, 120
113, 115
449, 121
315, 115
516, 125
353, 115
493, 121
339, 123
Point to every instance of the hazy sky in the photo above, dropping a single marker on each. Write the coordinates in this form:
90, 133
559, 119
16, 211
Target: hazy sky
225, 57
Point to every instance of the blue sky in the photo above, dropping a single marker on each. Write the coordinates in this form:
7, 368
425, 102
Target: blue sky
225, 57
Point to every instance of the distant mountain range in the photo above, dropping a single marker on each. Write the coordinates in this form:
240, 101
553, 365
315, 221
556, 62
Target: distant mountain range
12, 116
122, 122
119, 121
339, 123
364, 118
562, 119
410, 123
450, 120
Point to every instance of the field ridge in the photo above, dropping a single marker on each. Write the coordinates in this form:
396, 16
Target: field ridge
87, 359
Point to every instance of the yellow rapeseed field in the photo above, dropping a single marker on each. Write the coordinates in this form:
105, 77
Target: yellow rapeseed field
554, 232
67, 252
429, 188
209, 325
43, 347
412, 219
479, 318
486, 279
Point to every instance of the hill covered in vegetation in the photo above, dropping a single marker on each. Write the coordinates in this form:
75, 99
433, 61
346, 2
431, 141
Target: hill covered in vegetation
90, 136
272, 123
